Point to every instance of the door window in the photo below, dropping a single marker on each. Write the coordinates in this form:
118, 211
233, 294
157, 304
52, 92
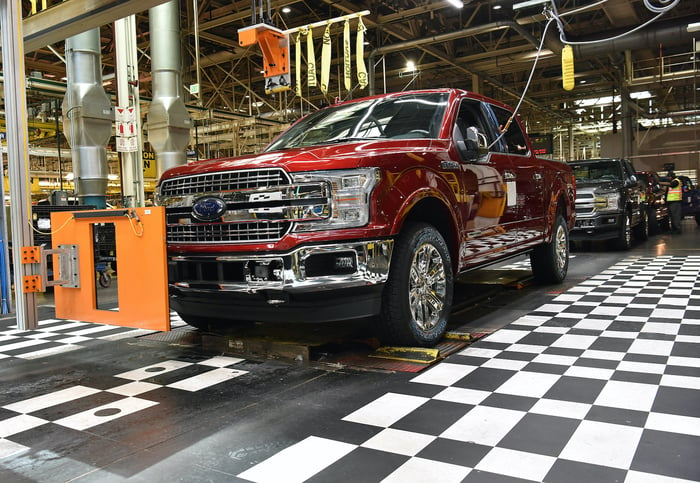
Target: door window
514, 137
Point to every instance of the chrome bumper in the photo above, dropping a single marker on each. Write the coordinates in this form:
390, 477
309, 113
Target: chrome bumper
357, 263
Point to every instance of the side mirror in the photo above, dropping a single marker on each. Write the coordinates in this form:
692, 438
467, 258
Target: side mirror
472, 145
656, 188
631, 181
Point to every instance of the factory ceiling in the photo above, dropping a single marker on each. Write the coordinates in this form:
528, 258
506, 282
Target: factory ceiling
488, 46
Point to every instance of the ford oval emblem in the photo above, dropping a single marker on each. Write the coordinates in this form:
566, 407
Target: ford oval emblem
209, 208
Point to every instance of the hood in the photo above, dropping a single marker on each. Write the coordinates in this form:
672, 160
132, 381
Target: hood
347, 155
597, 186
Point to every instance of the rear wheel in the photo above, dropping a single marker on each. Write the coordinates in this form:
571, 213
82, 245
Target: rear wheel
417, 298
550, 261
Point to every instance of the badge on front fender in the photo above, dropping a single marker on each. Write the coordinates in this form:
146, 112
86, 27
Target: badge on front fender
209, 208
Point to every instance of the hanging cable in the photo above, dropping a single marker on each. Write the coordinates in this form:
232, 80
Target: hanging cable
527, 85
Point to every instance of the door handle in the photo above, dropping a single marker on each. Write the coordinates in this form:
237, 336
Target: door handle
508, 175
537, 176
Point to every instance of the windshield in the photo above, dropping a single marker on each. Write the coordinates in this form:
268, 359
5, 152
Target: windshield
604, 170
402, 117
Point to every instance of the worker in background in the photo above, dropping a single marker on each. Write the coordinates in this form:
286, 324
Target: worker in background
674, 197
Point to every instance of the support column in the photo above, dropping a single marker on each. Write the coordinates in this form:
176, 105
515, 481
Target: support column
476, 84
627, 122
572, 153
18, 158
127, 71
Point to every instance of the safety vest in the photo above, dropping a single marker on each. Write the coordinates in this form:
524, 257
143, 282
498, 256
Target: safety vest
675, 194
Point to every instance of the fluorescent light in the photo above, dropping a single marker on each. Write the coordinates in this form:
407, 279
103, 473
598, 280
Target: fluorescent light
456, 3
694, 27
529, 3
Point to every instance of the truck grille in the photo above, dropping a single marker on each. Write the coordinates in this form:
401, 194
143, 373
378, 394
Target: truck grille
246, 206
227, 232
226, 181
584, 203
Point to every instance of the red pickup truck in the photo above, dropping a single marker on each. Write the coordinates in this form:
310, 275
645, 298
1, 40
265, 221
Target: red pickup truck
367, 208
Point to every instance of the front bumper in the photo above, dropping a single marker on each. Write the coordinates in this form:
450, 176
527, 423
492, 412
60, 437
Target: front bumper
344, 278
597, 227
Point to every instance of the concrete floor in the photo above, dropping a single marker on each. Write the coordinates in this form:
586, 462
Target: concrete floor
594, 380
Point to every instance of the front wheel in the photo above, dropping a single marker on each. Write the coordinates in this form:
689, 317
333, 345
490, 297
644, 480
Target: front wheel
624, 240
417, 298
642, 229
550, 261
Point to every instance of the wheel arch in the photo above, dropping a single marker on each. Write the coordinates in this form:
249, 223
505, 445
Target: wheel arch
434, 211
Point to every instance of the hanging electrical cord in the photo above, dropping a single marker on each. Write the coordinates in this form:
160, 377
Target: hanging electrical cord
527, 85
553, 15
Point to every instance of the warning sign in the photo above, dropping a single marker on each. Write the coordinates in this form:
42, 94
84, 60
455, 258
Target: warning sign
149, 164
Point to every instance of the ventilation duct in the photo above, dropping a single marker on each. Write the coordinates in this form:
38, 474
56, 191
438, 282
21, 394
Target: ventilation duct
168, 120
87, 117
651, 37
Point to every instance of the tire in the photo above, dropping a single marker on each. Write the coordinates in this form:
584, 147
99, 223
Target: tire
624, 240
665, 224
105, 279
697, 218
417, 298
652, 222
550, 261
641, 231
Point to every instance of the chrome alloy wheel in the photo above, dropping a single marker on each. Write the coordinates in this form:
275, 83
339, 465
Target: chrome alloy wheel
561, 250
427, 288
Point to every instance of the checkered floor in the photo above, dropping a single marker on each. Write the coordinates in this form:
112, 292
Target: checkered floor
600, 385
56, 336
81, 407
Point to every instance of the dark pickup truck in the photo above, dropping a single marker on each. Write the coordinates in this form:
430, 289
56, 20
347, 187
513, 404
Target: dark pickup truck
608, 202
367, 208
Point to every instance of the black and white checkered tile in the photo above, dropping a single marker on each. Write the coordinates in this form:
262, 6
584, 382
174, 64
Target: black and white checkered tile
55, 336
601, 384
82, 407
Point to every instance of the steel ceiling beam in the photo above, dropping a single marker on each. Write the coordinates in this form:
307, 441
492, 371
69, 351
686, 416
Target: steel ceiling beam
73, 17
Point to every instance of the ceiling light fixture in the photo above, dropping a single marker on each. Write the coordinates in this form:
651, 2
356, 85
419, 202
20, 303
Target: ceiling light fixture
456, 3
529, 3
286, 10
497, 7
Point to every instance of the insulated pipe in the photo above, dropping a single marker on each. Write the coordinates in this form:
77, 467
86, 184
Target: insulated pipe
87, 117
168, 120
673, 33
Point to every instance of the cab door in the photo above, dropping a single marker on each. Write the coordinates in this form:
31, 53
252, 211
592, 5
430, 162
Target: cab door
489, 227
527, 197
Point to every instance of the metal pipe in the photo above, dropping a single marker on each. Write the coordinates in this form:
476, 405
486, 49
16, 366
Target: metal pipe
87, 117
168, 120
670, 33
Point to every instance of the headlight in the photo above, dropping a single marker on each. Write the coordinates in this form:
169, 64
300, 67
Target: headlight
607, 202
350, 193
